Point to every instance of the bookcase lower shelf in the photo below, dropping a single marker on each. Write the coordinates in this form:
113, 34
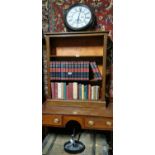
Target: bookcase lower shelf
77, 103
57, 114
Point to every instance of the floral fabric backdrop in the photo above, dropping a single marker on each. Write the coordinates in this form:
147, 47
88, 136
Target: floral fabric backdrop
53, 14
52, 20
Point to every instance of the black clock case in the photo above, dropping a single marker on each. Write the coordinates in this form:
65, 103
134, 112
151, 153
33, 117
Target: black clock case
89, 26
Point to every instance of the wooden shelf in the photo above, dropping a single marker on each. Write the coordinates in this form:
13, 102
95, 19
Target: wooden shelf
91, 81
82, 56
54, 108
77, 103
76, 34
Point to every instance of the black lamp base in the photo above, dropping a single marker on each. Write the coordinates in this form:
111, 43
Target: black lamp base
76, 147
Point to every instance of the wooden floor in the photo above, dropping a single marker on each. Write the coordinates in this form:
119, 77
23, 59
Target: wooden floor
95, 143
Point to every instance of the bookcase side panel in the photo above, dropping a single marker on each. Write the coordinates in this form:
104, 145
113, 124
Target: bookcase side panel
48, 64
104, 66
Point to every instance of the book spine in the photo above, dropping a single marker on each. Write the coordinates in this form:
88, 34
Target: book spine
52, 70
73, 76
75, 90
97, 92
97, 72
65, 91
82, 91
79, 70
67, 70
52, 90
79, 90
82, 76
92, 93
93, 71
56, 90
89, 92
70, 94
59, 91
87, 66
75, 71
71, 91
62, 90
56, 70
69, 75
85, 92
62, 70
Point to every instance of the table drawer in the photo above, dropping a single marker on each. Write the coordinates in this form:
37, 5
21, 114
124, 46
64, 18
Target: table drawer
54, 120
98, 123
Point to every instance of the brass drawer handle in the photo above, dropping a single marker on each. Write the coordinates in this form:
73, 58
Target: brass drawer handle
91, 123
108, 123
56, 120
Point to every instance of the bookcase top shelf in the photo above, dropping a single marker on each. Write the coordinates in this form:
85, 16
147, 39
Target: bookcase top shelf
76, 56
76, 34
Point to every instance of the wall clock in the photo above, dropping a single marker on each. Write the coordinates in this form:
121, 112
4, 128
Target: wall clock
79, 17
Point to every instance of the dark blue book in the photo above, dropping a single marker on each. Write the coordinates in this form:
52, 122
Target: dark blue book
86, 92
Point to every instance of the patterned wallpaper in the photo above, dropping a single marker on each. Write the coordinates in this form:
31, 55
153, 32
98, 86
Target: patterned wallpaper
53, 14
52, 21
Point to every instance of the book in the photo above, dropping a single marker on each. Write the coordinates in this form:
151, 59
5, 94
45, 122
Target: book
52, 70
59, 91
55, 90
82, 91
62, 70
85, 70
64, 91
96, 73
67, 91
89, 92
69, 70
85, 92
79, 91
75, 90
52, 90
69, 73
96, 92
57, 70
92, 93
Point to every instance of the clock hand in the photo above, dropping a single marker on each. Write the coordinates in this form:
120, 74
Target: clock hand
79, 16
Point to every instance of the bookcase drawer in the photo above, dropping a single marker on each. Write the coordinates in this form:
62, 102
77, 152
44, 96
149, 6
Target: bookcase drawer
54, 120
98, 123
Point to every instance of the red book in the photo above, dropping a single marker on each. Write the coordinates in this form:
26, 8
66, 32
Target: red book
89, 92
70, 91
69, 70
52, 90
52, 70
81, 70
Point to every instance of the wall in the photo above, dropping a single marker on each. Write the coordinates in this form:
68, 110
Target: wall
53, 14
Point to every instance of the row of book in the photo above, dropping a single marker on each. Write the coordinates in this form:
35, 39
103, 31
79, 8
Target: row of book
74, 91
73, 70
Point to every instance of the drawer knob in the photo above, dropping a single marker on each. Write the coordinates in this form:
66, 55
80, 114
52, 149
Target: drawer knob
91, 123
56, 120
108, 123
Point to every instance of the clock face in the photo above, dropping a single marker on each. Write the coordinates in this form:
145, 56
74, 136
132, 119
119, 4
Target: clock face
78, 17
